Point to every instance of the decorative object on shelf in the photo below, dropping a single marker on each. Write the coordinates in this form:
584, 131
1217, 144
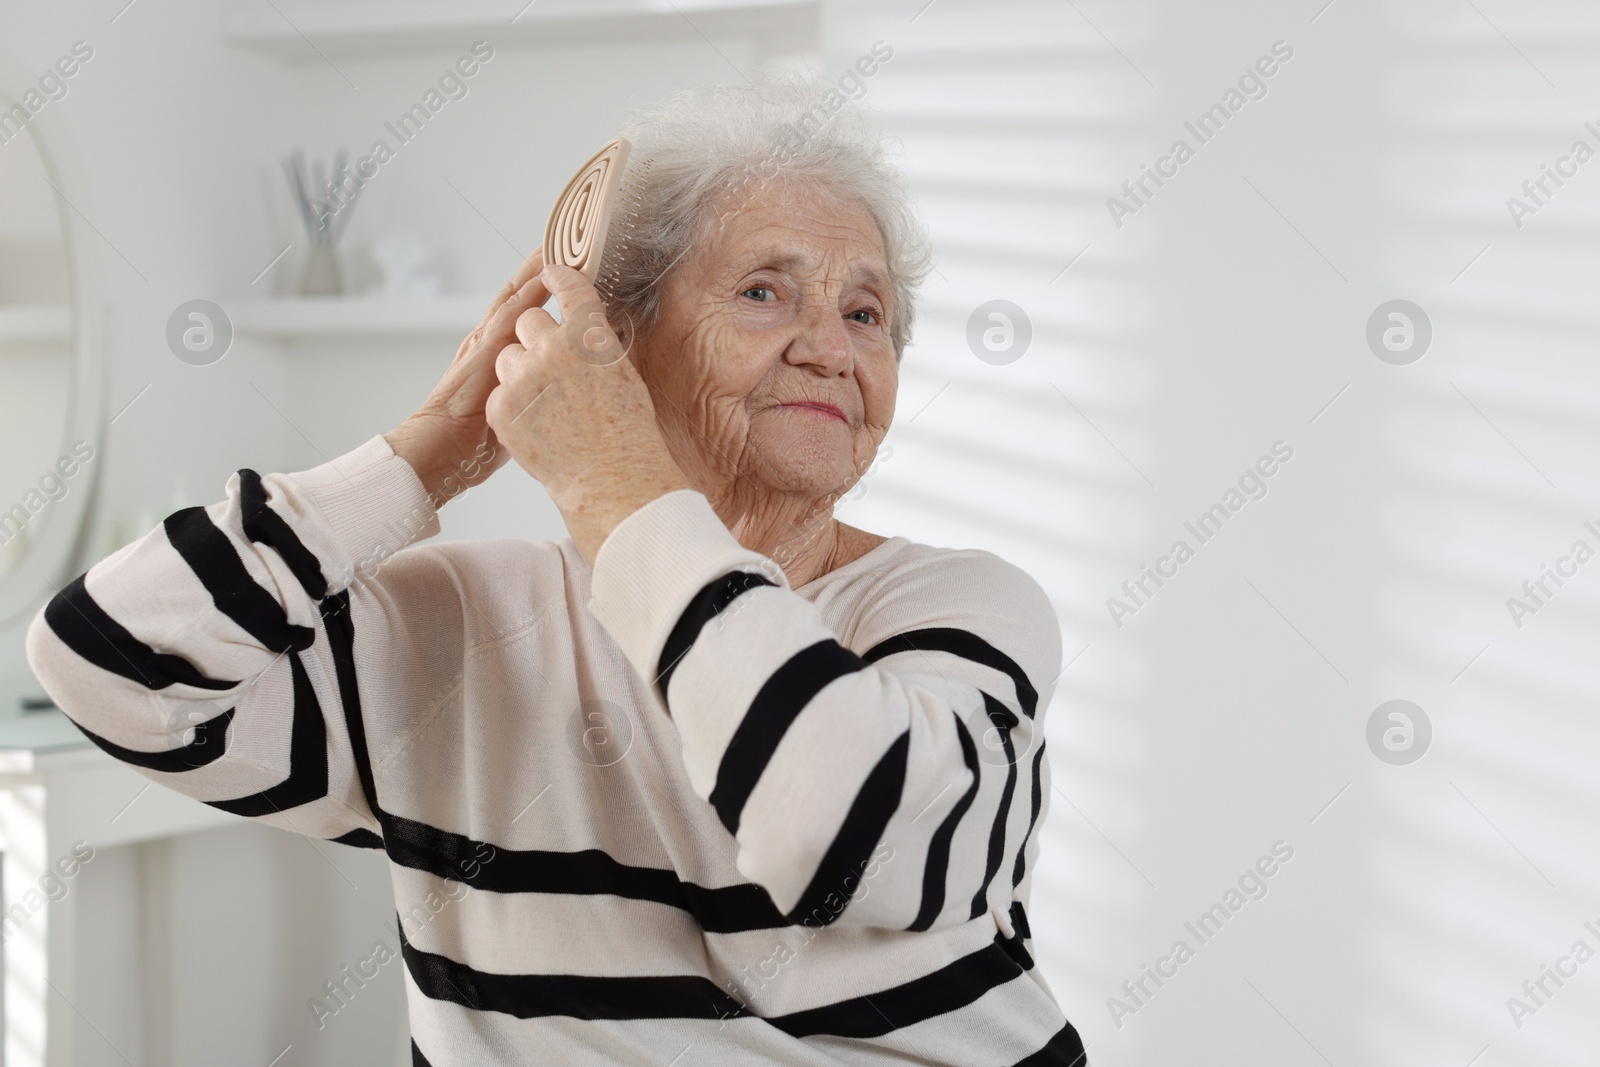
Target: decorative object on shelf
325, 203
406, 261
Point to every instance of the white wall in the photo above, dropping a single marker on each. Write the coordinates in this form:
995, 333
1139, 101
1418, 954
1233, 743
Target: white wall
1222, 317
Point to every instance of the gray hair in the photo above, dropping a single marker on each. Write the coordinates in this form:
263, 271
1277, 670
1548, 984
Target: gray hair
697, 146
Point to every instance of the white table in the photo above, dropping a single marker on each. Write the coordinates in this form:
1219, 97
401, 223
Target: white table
56, 789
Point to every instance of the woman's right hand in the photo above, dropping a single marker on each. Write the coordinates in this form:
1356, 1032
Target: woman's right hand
447, 440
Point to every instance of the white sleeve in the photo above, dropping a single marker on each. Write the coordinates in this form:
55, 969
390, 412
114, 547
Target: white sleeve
892, 785
215, 653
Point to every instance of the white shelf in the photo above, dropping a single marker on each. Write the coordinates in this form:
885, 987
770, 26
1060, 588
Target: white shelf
302, 32
28, 733
309, 318
34, 323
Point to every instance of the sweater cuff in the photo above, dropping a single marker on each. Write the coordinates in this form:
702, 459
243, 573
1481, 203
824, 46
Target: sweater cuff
652, 565
373, 503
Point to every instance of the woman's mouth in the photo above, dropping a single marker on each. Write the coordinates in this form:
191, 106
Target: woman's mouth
818, 407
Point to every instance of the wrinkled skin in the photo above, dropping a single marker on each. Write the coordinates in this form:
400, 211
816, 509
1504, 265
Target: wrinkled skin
784, 306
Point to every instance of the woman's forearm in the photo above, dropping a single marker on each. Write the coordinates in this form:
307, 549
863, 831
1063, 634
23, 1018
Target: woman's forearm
445, 461
206, 653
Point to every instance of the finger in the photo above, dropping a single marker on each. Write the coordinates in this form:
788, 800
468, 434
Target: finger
505, 362
533, 295
531, 323
516, 291
575, 294
492, 406
500, 454
529, 269
500, 328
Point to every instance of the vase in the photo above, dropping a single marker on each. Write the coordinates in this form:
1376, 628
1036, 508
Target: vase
321, 276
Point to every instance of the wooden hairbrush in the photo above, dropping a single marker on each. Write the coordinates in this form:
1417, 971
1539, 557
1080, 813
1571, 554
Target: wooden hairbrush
575, 234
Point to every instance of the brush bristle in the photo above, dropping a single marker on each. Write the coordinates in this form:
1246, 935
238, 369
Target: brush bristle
627, 216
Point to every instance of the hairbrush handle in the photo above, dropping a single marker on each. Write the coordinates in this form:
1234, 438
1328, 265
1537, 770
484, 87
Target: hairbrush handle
575, 233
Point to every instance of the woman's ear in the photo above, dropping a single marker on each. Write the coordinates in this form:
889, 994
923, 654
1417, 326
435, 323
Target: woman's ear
634, 343
621, 324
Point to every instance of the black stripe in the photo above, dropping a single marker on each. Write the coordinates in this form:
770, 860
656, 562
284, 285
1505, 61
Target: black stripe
967, 645
702, 608
453, 856
1038, 799
83, 626
858, 836
778, 703
359, 838
1004, 719
215, 561
948, 989
731, 909
339, 625
210, 741
531, 996
1019, 919
590, 872
1014, 945
1064, 1050
1016, 949
265, 526
937, 869
417, 1058
307, 779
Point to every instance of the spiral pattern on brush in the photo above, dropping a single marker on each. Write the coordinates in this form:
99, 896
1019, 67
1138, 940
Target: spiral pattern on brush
576, 231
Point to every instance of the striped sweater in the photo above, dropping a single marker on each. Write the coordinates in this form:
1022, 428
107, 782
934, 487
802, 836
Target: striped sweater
667, 806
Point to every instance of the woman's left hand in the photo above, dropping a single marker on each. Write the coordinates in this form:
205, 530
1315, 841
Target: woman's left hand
574, 413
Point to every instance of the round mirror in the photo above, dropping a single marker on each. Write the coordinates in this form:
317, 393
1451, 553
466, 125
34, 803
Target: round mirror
35, 347
50, 402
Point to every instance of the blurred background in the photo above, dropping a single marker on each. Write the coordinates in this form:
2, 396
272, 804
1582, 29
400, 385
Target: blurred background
166, 318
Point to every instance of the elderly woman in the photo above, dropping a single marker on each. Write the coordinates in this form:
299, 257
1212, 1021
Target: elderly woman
719, 779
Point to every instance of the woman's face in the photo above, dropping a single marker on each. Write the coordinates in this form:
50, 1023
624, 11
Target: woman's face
772, 367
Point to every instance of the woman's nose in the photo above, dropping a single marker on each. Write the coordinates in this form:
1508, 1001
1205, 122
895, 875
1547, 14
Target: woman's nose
821, 341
